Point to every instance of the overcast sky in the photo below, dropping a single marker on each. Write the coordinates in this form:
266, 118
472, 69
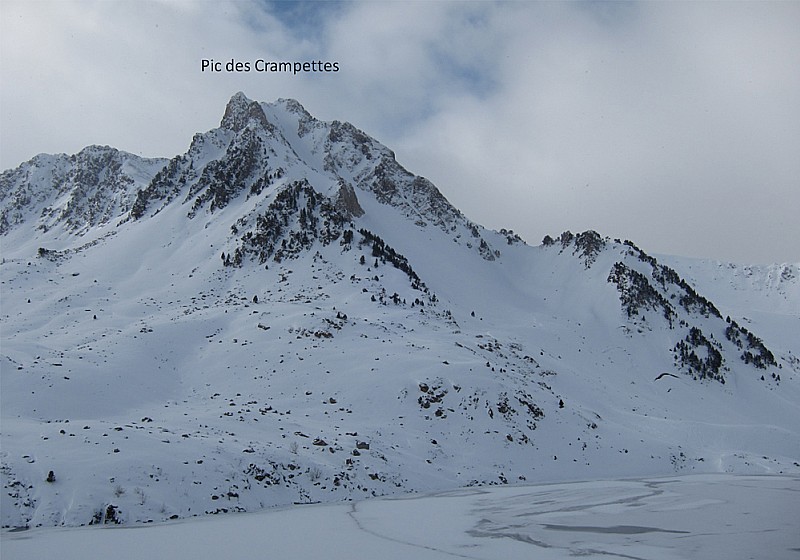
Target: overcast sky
675, 125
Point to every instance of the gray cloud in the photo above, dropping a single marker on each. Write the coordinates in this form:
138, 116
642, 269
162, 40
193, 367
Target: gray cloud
675, 125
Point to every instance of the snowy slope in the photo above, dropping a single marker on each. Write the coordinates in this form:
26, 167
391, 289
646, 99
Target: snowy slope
286, 315
78, 192
764, 298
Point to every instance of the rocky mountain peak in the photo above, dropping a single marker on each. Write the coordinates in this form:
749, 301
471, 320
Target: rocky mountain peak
241, 111
79, 191
294, 106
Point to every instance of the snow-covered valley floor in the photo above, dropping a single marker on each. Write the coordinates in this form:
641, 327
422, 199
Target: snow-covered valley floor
695, 516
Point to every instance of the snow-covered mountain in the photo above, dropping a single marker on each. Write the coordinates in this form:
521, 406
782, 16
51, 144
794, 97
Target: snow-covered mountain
284, 314
75, 192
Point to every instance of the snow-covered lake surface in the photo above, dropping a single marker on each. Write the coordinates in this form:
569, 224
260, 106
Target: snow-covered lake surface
694, 517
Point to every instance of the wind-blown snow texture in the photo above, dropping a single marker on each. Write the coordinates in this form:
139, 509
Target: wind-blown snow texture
284, 314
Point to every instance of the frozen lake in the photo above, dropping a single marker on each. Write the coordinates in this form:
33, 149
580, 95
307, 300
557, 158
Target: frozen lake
694, 517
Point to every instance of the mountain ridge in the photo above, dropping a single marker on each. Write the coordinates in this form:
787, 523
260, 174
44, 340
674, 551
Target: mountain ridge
285, 314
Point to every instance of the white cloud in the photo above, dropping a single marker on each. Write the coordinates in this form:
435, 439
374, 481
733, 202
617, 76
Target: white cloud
673, 124
677, 130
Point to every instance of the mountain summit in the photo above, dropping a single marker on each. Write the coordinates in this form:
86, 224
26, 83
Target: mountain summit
285, 314
240, 112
